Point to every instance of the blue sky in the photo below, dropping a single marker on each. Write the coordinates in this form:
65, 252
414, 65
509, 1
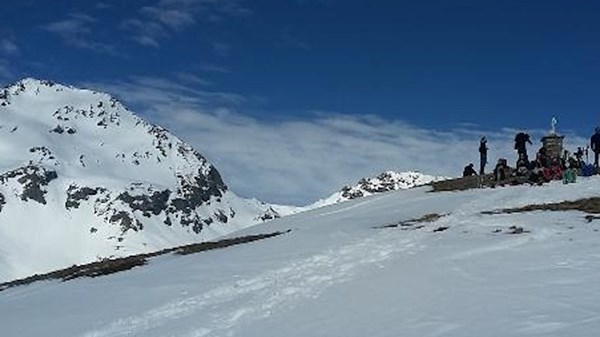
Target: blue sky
461, 67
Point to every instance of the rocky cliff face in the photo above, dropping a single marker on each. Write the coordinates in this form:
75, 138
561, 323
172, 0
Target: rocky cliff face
82, 178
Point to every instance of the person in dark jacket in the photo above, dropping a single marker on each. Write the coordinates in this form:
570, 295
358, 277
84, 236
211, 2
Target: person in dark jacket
595, 145
469, 171
522, 167
482, 155
501, 171
521, 140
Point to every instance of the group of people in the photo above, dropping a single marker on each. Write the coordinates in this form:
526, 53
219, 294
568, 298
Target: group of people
544, 167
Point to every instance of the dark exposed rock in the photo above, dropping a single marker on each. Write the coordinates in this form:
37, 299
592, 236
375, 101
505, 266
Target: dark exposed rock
221, 216
269, 214
47, 83
122, 209
349, 193
111, 266
194, 193
516, 230
2, 202
427, 218
591, 218
588, 205
161, 139
126, 221
76, 194
4, 97
58, 129
147, 204
384, 182
33, 179
41, 149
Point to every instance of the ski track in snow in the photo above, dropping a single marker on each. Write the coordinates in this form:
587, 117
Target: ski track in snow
258, 297
263, 294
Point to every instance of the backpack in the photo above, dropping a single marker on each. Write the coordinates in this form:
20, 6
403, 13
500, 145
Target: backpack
588, 170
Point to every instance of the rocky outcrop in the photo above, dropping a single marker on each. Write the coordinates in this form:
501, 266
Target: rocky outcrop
385, 182
31, 182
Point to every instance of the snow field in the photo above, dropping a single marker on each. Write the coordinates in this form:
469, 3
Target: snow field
336, 275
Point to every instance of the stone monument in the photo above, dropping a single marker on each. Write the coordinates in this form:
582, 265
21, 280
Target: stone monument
553, 142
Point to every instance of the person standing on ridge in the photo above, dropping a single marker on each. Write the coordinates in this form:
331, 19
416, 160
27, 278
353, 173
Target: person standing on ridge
521, 140
482, 155
595, 145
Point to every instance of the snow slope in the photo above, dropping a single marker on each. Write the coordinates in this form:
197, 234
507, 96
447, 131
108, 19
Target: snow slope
337, 275
83, 178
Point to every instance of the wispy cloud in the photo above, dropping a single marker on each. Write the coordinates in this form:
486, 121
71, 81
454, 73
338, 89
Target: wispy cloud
212, 68
221, 49
146, 33
299, 161
76, 31
8, 50
8, 47
192, 79
166, 17
102, 6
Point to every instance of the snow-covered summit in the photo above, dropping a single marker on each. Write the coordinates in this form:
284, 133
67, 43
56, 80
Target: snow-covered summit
384, 182
82, 177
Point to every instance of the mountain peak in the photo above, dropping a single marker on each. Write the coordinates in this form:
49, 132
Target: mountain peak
80, 170
383, 182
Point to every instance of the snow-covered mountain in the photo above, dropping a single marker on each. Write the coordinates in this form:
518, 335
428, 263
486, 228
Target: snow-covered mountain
82, 178
384, 182
403, 263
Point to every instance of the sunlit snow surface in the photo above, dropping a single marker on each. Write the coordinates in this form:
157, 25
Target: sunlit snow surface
335, 275
89, 140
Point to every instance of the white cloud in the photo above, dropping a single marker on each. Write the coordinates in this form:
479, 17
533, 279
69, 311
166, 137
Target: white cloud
192, 79
8, 47
75, 31
164, 17
299, 161
146, 33
171, 17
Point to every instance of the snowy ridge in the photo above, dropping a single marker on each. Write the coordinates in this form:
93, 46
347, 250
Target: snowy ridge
384, 182
83, 178
344, 270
